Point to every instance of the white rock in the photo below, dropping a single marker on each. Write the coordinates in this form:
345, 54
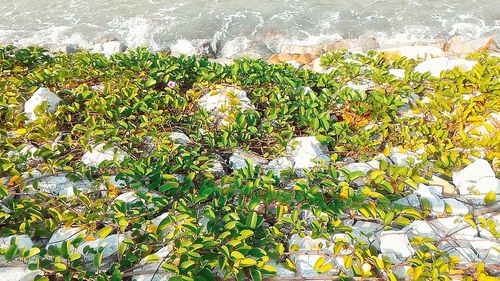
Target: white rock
468, 178
414, 52
316, 66
294, 63
110, 245
29, 150
276, 166
100, 153
436, 65
396, 244
68, 48
18, 273
307, 243
281, 270
466, 256
358, 167
420, 228
306, 152
410, 201
60, 185
161, 275
400, 73
433, 195
41, 95
402, 157
65, 234
457, 228
178, 137
455, 207
23, 241
217, 169
367, 232
305, 265
238, 159
222, 101
356, 87
488, 250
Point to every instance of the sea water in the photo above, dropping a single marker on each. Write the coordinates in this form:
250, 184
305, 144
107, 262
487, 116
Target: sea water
240, 24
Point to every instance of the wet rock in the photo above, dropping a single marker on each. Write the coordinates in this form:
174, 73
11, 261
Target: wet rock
460, 46
68, 48
60, 185
209, 49
362, 44
109, 48
412, 52
476, 178
396, 245
41, 95
238, 159
101, 153
178, 137
65, 234
184, 47
306, 153
154, 266
276, 166
437, 65
315, 50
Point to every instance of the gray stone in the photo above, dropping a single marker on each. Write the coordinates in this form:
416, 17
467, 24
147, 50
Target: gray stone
178, 137
410, 200
278, 165
41, 95
23, 241
433, 195
101, 153
455, 207
109, 253
68, 48
403, 157
437, 65
65, 234
18, 273
420, 228
367, 232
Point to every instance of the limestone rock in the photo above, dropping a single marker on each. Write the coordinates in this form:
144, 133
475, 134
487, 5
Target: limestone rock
18, 273
447, 189
396, 245
367, 232
60, 185
161, 274
410, 200
412, 52
217, 169
101, 153
178, 137
488, 250
316, 66
420, 228
68, 48
281, 270
437, 65
476, 177
403, 157
455, 207
238, 159
433, 195
23, 241
306, 152
305, 265
307, 243
41, 95
460, 46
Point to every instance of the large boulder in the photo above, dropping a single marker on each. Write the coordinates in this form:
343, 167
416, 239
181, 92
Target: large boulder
437, 65
460, 46
41, 95
306, 153
101, 153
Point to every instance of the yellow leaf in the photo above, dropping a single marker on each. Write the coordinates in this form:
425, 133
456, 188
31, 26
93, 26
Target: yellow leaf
20, 132
490, 198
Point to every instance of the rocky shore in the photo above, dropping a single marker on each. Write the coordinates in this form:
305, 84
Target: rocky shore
351, 185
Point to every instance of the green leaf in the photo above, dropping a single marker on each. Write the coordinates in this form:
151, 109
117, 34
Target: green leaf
252, 220
150, 82
151, 258
11, 252
104, 232
65, 249
256, 275
97, 260
59, 267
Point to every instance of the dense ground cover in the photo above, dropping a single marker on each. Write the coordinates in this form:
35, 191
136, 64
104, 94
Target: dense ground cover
210, 217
